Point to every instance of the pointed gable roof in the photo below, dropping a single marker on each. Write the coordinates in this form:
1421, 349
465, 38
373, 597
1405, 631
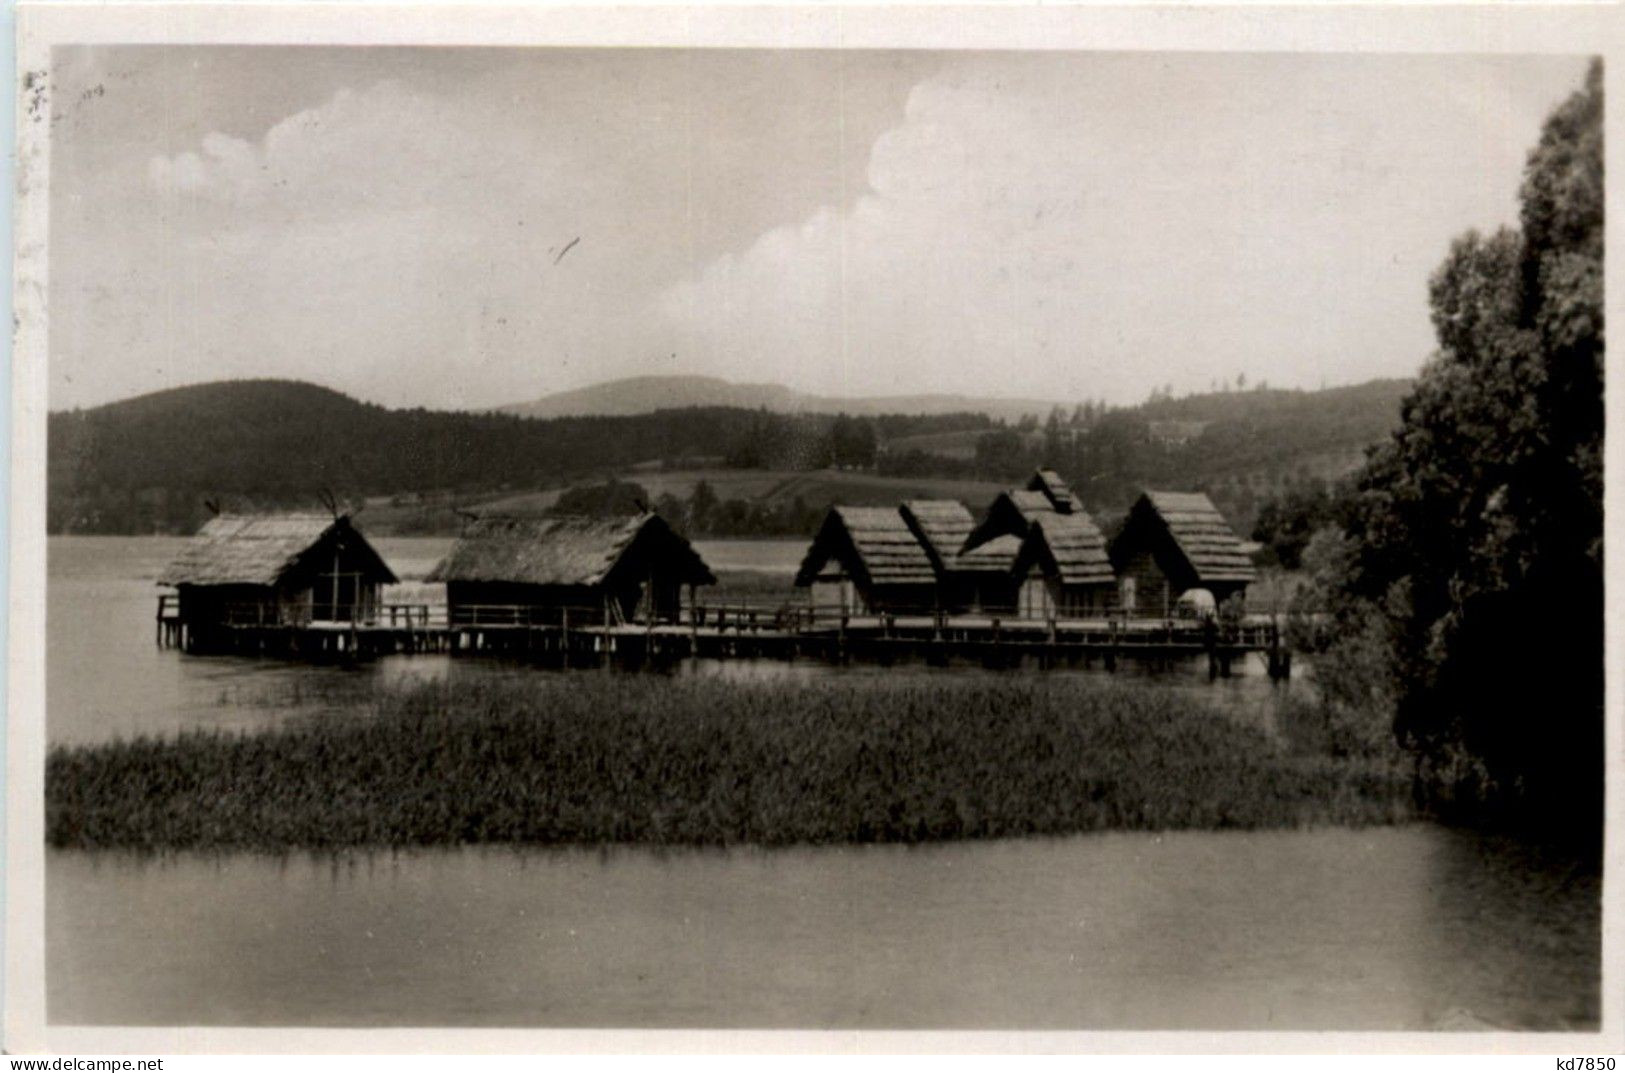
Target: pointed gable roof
996, 556
258, 549
876, 544
1010, 514
564, 550
1198, 531
1060, 497
1069, 547
1013, 512
940, 524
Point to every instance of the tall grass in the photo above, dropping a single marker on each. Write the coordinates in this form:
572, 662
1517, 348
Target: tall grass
599, 758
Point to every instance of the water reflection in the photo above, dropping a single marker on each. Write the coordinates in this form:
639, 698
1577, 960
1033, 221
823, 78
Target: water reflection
1390, 928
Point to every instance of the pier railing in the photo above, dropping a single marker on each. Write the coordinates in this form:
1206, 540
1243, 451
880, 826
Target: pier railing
753, 617
742, 628
411, 616
402, 616
749, 617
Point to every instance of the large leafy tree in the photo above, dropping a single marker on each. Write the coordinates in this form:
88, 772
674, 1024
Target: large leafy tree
1476, 530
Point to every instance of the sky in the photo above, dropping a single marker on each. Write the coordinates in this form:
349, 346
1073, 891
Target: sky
472, 227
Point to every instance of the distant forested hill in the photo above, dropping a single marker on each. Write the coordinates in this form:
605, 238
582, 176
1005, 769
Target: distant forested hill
148, 464
643, 394
1243, 448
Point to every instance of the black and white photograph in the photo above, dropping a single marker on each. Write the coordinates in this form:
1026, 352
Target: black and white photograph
787, 532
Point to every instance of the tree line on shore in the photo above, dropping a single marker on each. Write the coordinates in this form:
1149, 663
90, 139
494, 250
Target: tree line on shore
1462, 564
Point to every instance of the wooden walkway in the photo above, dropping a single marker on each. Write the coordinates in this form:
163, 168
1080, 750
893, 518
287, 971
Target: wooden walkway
725, 631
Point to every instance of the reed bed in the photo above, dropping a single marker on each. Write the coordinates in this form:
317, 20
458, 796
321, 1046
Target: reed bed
595, 758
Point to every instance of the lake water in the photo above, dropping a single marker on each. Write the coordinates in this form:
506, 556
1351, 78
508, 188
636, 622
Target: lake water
1392, 928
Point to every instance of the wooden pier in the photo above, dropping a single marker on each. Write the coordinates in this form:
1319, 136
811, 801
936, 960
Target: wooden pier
588, 636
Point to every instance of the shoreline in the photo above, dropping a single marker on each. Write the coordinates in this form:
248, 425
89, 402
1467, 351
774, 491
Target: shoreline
527, 853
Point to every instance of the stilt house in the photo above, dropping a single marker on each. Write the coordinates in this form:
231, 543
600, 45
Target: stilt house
569, 570
1060, 567
1173, 543
980, 579
276, 570
1063, 568
866, 560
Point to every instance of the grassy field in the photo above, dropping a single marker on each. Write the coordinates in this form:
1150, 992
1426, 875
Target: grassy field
595, 758
958, 445
817, 488
867, 489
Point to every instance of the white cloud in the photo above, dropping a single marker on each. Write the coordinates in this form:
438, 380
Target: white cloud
1103, 229
392, 243
1070, 225
383, 146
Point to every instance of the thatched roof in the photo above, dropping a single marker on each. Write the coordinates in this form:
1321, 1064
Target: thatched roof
875, 544
943, 526
258, 549
566, 550
1069, 547
996, 556
1031, 502
1200, 533
1048, 482
1010, 514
